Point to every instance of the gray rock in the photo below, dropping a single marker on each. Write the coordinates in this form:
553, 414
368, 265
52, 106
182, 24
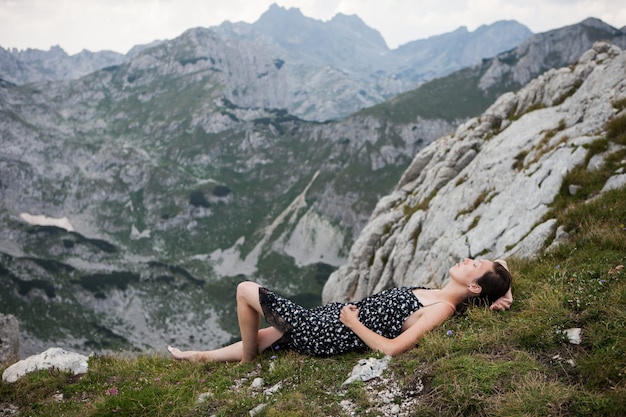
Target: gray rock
257, 384
368, 369
53, 358
573, 335
8, 410
574, 189
258, 409
204, 397
9, 339
615, 182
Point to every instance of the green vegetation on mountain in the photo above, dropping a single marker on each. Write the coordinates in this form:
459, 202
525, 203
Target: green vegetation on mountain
452, 98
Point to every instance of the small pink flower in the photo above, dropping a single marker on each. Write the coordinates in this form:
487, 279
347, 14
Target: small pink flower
112, 391
115, 410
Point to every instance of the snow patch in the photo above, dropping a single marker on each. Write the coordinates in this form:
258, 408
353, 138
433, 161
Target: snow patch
136, 235
228, 262
41, 220
314, 239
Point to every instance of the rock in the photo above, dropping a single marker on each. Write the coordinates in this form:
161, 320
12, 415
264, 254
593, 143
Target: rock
7, 410
615, 182
573, 335
257, 384
53, 358
204, 397
368, 369
574, 189
256, 410
273, 389
9, 339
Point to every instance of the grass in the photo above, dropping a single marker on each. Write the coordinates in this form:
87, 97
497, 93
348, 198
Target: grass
479, 363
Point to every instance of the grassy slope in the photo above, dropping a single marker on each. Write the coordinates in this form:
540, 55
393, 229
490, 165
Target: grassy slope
477, 364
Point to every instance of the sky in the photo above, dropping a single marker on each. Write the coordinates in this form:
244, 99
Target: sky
118, 25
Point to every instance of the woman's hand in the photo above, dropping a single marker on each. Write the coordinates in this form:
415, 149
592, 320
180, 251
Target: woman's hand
503, 303
349, 315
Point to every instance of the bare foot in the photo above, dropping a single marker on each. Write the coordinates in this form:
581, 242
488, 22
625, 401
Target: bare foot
189, 355
179, 354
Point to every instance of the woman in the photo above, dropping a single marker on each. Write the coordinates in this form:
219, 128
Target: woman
390, 322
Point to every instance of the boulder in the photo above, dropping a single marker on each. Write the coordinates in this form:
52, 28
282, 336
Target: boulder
53, 358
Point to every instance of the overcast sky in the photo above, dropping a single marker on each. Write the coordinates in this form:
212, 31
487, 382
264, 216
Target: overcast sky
118, 25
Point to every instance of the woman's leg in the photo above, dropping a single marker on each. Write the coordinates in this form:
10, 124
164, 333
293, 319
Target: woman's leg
249, 314
230, 353
253, 340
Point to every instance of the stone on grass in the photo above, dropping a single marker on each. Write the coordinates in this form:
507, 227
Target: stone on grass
573, 335
368, 369
53, 358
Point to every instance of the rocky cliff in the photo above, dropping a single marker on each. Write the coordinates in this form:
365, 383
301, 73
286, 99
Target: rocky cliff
487, 189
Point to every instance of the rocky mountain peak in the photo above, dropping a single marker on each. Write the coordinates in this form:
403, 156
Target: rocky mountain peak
278, 18
355, 25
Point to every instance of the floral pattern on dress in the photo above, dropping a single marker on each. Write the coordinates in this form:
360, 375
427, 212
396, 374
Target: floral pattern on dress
319, 332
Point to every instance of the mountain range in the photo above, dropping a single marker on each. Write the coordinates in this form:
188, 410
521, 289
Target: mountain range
136, 197
327, 69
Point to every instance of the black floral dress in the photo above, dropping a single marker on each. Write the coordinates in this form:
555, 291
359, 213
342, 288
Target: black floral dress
319, 332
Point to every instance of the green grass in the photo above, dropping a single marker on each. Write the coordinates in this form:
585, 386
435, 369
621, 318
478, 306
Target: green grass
479, 363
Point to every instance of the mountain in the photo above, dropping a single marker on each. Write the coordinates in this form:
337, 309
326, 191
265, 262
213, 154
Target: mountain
469, 91
341, 66
32, 65
344, 42
330, 69
423, 60
135, 198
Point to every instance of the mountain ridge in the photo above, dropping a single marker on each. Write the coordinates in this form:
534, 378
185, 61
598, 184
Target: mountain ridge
342, 55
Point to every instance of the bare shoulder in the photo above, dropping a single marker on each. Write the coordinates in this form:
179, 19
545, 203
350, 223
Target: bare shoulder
432, 298
430, 315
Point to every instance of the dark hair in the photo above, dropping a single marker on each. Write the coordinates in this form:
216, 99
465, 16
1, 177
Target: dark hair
494, 283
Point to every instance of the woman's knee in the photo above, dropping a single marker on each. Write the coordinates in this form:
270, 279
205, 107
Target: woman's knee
247, 290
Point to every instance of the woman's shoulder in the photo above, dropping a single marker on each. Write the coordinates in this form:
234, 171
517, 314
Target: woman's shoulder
429, 296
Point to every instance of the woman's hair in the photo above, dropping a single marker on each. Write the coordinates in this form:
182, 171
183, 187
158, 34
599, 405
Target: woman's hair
494, 283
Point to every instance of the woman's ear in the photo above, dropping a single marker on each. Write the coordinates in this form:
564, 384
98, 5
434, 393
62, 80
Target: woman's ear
475, 288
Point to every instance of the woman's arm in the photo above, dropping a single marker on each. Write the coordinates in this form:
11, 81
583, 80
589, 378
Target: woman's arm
431, 317
504, 302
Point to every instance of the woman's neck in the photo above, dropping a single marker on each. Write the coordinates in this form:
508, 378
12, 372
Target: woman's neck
454, 293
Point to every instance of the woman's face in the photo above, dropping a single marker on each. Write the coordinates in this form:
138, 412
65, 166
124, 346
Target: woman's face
469, 270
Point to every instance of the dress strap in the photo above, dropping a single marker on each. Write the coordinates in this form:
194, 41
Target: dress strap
442, 302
